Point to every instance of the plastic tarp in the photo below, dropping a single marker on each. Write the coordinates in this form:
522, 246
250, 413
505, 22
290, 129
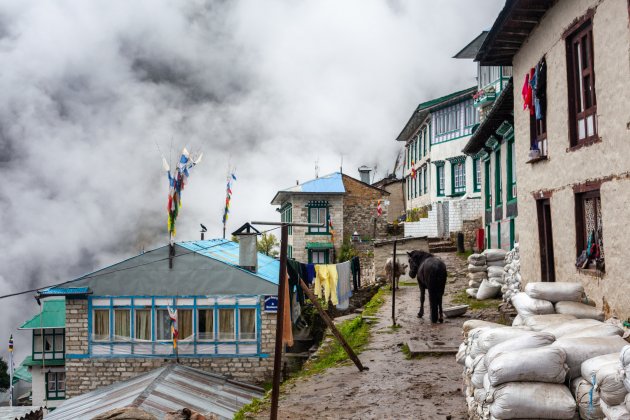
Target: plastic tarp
527, 306
581, 349
555, 291
579, 310
544, 364
532, 400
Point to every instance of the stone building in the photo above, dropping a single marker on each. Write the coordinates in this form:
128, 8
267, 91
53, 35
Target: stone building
117, 322
395, 202
442, 187
572, 151
491, 146
342, 204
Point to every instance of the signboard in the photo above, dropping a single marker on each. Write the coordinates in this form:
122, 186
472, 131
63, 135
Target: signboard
271, 303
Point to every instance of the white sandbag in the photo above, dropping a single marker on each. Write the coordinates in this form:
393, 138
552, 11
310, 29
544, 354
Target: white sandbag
471, 324
460, 357
497, 264
627, 402
479, 371
476, 268
489, 338
555, 291
572, 326
495, 271
603, 330
587, 401
477, 275
609, 382
519, 400
541, 322
473, 258
468, 363
581, 349
579, 310
472, 292
624, 358
487, 290
518, 321
494, 254
615, 412
544, 364
527, 306
535, 340
591, 366
474, 284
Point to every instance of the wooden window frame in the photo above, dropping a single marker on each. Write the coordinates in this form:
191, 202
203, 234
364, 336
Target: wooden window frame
511, 173
488, 190
581, 235
498, 181
317, 230
580, 35
476, 174
458, 190
440, 184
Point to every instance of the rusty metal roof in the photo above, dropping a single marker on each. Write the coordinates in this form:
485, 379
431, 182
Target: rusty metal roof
162, 390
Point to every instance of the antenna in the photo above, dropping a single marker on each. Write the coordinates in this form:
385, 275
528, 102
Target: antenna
341, 165
317, 168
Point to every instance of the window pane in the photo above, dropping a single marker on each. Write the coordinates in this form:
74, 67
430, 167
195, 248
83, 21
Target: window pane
122, 324
58, 342
185, 324
48, 342
163, 327
206, 324
143, 324
100, 324
226, 324
61, 381
247, 324
52, 382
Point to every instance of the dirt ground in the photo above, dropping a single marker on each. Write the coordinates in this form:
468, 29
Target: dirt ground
394, 387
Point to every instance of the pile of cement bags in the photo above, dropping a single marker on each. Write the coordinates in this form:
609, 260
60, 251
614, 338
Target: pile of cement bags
512, 275
485, 273
524, 371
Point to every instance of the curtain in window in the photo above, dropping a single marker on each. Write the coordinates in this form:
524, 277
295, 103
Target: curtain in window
226, 324
247, 324
100, 324
61, 381
52, 381
206, 324
122, 324
143, 324
163, 327
185, 324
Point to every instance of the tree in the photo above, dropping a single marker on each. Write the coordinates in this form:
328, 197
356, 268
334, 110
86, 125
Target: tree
268, 244
4, 375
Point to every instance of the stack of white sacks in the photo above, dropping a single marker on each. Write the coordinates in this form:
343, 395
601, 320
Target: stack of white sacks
512, 274
524, 371
485, 273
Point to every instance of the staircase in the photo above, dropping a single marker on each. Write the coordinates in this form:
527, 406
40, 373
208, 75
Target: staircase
441, 245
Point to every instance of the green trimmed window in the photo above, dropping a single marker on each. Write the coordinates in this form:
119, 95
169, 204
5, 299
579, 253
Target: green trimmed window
286, 216
318, 256
56, 385
511, 171
318, 214
476, 175
488, 239
498, 234
440, 180
424, 180
488, 192
498, 183
458, 177
512, 233
289, 251
50, 345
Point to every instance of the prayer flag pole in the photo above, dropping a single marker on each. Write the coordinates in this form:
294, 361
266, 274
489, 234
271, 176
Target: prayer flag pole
228, 197
11, 370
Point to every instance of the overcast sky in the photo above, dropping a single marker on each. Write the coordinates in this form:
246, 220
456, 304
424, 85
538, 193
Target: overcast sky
90, 90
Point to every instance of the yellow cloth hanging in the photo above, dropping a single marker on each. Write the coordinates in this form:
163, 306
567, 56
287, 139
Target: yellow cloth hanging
326, 277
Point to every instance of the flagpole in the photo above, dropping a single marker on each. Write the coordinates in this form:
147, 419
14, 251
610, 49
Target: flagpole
11, 370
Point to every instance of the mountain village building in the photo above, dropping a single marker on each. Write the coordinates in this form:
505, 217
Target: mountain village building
572, 150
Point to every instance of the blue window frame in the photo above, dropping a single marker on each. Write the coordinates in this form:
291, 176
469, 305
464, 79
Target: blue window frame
209, 326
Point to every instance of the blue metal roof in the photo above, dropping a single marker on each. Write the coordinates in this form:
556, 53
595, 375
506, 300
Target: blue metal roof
227, 252
327, 184
64, 291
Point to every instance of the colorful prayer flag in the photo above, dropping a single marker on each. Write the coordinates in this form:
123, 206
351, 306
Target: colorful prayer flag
177, 182
11, 343
172, 313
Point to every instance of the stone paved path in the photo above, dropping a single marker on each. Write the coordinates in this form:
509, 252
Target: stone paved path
394, 387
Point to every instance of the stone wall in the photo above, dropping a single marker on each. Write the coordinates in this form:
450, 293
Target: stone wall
365, 251
383, 250
605, 161
469, 228
396, 200
359, 214
88, 374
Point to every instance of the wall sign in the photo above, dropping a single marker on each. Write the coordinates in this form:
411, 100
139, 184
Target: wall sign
271, 303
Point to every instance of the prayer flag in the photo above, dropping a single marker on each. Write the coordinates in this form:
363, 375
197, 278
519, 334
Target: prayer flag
172, 313
11, 343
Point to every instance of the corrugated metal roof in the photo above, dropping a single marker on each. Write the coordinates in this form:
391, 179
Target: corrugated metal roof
16, 413
327, 184
64, 291
169, 388
53, 316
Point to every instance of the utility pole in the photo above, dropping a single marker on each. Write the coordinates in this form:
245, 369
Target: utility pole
394, 266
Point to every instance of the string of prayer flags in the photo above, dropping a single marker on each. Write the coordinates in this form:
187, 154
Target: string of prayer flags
228, 196
331, 229
177, 180
172, 313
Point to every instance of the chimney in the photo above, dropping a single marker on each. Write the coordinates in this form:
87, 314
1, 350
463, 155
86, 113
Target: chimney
364, 171
247, 237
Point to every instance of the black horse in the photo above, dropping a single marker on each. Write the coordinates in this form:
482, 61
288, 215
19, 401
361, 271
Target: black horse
431, 274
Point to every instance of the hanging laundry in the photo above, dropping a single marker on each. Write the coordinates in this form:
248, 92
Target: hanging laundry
293, 268
355, 266
310, 273
287, 326
296, 309
344, 285
326, 278
528, 100
541, 89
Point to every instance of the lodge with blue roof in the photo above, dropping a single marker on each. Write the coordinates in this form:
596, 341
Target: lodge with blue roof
114, 322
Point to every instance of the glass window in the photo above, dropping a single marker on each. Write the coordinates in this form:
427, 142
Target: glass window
498, 187
52, 381
440, 180
100, 325
163, 325
37, 341
318, 257
205, 323
318, 215
247, 324
142, 324
459, 177
59, 342
61, 381
487, 188
477, 174
226, 324
185, 324
122, 324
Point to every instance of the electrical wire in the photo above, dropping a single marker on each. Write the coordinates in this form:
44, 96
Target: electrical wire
91, 276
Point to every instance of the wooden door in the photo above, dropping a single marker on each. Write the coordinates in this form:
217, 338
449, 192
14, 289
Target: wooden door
545, 237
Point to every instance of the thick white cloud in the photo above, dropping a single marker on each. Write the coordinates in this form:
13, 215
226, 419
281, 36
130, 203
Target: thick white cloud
88, 88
